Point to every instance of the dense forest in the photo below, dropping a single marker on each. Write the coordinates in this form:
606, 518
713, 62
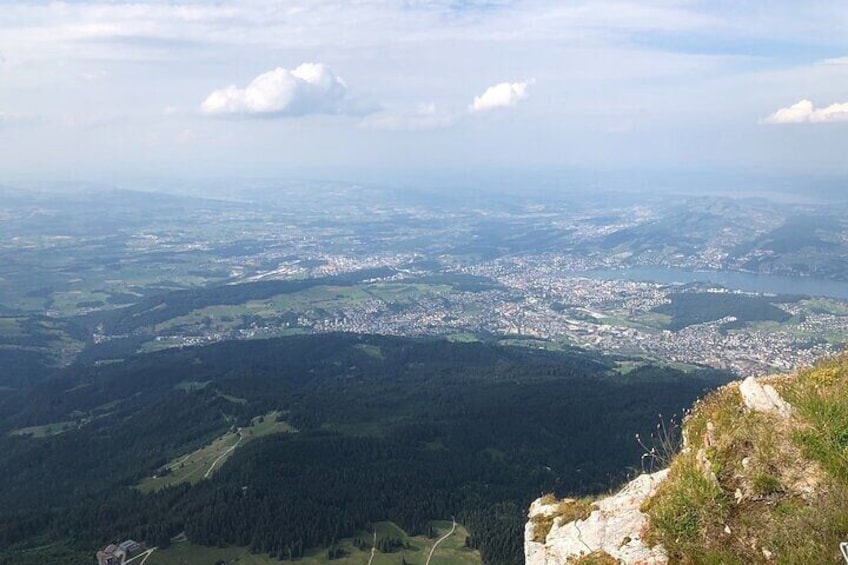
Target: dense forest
689, 308
399, 429
161, 307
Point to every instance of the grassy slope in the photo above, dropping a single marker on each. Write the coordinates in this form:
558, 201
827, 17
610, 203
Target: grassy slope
451, 552
775, 491
193, 466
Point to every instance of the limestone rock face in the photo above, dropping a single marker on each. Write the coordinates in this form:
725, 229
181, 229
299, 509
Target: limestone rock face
747, 431
764, 398
615, 528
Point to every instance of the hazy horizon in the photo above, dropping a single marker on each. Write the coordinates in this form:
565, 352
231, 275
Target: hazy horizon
113, 90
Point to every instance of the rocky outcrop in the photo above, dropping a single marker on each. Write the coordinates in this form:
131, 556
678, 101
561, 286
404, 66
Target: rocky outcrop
738, 447
762, 397
614, 526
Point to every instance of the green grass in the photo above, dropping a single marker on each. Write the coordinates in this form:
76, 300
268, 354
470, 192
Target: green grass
80, 419
68, 302
192, 467
222, 318
231, 398
596, 558
371, 350
821, 397
159, 345
463, 337
189, 386
403, 293
451, 552
624, 367
11, 327
826, 306
791, 475
567, 510
191, 554
44, 430
533, 343
688, 506
266, 425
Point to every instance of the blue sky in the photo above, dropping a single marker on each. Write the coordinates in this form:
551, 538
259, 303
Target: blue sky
254, 87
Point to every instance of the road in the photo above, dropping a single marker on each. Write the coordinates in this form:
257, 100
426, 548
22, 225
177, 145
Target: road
440, 540
226, 452
373, 548
144, 554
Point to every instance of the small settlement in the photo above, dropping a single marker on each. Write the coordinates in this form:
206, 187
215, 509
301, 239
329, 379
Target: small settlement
118, 554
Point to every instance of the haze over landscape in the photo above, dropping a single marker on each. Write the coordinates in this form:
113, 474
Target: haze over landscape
113, 89
362, 282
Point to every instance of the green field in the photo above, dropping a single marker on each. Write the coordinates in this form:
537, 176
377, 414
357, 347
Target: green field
826, 306
72, 301
329, 298
196, 465
463, 337
231, 398
650, 320
228, 317
402, 293
450, 552
266, 425
190, 554
44, 430
372, 350
11, 327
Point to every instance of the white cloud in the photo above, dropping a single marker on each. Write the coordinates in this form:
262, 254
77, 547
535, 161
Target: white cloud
501, 95
842, 61
9, 119
311, 88
425, 117
91, 76
806, 112
691, 66
299, 23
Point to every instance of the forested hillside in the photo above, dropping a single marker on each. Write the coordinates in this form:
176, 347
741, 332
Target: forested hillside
399, 429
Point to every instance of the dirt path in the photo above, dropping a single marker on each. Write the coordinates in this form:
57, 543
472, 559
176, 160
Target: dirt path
440, 540
224, 454
145, 555
373, 548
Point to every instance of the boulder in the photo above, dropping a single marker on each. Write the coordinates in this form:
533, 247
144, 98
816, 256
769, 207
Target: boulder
614, 527
763, 398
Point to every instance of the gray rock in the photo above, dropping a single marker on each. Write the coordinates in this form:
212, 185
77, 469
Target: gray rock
615, 527
764, 398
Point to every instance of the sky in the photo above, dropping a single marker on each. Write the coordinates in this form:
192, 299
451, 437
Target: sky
258, 87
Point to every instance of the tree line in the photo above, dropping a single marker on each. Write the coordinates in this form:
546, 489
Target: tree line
399, 429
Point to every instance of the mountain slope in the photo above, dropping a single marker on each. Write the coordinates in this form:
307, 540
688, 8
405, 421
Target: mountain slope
762, 478
400, 429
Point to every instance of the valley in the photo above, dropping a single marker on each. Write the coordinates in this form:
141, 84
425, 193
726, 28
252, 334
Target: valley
397, 428
413, 550
565, 269
322, 282
245, 383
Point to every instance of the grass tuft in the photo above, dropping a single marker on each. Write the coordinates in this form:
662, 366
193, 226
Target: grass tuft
661, 446
566, 511
754, 488
594, 558
686, 508
820, 395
